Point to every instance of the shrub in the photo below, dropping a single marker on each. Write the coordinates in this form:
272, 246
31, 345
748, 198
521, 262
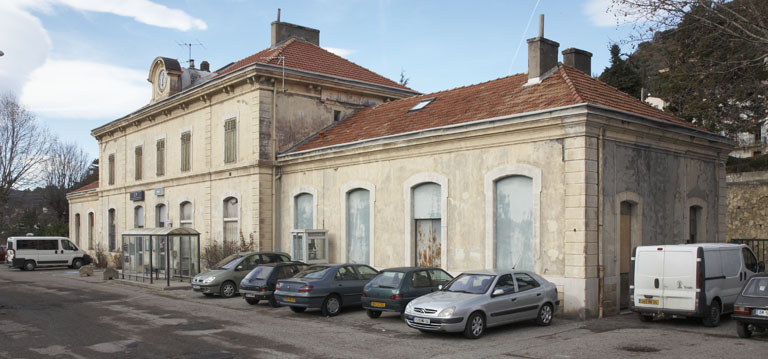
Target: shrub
117, 260
215, 251
101, 256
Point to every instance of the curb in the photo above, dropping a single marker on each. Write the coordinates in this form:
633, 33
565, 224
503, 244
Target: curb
150, 286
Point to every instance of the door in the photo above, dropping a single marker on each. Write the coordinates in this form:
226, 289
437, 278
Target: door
529, 296
68, 251
500, 308
346, 282
420, 283
649, 270
428, 245
679, 282
48, 252
625, 245
730, 259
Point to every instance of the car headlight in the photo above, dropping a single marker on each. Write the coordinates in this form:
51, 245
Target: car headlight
409, 306
209, 279
447, 312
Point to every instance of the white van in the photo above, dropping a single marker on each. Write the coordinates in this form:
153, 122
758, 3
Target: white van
26, 253
689, 280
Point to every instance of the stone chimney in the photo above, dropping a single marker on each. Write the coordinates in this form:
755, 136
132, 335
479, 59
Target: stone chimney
580, 59
205, 66
191, 63
542, 54
282, 31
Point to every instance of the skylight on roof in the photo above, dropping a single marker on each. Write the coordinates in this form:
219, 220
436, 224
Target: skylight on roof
421, 104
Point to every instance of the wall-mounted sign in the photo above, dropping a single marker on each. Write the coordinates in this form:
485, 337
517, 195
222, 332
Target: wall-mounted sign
159, 191
137, 196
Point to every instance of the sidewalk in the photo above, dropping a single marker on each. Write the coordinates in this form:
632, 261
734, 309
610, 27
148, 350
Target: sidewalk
158, 284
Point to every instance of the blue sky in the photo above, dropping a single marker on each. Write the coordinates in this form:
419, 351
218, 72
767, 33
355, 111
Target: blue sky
78, 64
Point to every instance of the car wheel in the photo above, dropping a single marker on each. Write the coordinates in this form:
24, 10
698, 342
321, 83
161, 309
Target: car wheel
251, 301
208, 294
298, 309
475, 326
273, 302
545, 315
29, 265
228, 289
373, 314
645, 318
77, 263
712, 317
742, 329
331, 306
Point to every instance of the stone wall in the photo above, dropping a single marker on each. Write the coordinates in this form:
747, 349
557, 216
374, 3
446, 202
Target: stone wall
747, 212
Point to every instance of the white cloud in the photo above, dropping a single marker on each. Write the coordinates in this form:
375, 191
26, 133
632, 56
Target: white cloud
143, 11
25, 43
605, 13
85, 90
341, 52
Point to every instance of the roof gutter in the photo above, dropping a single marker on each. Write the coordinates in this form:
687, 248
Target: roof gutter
491, 121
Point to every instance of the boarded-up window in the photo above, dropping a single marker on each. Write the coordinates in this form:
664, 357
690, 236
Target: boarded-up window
358, 226
160, 157
186, 150
231, 217
186, 215
137, 161
694, 218
112, 230
138, 217
111, 168
77, 229
90, 230
427, 222
303, 217
514, 223
230, 140
161, 215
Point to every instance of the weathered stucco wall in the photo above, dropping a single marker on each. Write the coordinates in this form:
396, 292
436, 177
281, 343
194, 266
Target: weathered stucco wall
747, 205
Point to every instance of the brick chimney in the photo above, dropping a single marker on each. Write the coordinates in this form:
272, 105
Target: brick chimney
282, 31
205, 66
542, 55
580, 59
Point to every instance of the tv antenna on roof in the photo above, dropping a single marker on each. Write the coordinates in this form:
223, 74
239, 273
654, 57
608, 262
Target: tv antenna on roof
189, 45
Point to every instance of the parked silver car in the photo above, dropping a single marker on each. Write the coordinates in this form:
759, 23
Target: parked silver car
474, 301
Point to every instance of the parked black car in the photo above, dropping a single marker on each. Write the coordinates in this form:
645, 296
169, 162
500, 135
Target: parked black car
260, 283
751, 307
326, 286
393, 288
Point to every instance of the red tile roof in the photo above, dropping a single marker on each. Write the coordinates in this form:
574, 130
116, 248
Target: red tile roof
306, 56
501, 97
92, 185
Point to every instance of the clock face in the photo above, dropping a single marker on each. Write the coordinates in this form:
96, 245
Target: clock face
161, 80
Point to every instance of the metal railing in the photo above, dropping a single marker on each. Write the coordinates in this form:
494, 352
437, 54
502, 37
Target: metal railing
759, 246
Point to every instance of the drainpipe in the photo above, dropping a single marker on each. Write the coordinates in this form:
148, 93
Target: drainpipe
275, 172
600, 259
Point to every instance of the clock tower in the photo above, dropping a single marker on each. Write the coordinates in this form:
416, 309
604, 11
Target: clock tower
165, 76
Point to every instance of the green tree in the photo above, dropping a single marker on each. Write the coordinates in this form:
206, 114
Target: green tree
621, 74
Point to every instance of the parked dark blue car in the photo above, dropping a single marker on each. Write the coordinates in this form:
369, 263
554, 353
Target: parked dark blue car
326, 286
393, 288
260, 283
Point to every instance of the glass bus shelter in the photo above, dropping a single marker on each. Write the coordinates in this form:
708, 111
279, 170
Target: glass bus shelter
152, 253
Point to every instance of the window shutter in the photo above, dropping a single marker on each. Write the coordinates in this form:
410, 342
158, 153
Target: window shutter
186, 139
161, 157
230, 140
111, 169
138, 162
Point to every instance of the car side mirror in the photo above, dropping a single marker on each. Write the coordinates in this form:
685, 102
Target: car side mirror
761, 267
239, 268
440, 287
498, 292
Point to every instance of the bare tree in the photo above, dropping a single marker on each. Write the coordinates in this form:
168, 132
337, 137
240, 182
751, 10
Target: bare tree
67, 165
24, 146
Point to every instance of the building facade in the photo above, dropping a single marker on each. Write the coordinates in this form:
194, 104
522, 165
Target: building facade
551, 171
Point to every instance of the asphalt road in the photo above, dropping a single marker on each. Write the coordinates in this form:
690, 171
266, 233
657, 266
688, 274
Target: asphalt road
56, 314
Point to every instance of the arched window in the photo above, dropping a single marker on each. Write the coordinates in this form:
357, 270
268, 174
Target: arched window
695, 224
231, 219
185, 217
77, 229
112, 230
513, 220
426, 215
161, 215
138, 217
90, 230
358, 226
304, 216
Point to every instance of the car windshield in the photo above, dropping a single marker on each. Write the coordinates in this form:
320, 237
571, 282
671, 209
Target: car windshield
314, 272
470, 283
260, 272
228, 262
757, 287
387, 280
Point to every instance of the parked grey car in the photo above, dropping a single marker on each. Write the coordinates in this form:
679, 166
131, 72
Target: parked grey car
326, 286
224, 277
474, 301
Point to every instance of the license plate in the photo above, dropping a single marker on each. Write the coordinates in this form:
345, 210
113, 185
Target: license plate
378, 304
195, 287
649, 301
249, 295
421, 320
290, 299
761, 312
